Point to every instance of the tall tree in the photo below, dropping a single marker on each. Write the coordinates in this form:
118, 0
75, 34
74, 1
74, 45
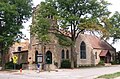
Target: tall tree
115, 22
12, 14
73, 17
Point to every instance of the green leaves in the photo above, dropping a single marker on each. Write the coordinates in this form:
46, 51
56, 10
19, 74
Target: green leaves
64, 41
75, 17
115, 22
12, 14
41, 28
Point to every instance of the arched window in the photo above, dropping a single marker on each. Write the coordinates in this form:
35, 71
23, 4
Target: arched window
36, 53
63, 54
95, 55
67, 54
83, 51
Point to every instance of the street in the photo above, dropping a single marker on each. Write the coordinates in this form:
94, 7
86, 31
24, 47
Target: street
82, 73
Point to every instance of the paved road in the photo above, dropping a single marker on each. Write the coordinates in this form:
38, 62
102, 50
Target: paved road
85, 73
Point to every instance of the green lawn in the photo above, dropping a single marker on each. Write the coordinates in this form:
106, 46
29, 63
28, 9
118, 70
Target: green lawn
110, 76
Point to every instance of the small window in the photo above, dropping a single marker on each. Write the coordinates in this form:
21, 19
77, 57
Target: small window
63, 54
19, 48
50, 16
95, 55
67, 54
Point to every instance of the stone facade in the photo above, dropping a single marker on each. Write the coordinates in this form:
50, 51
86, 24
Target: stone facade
53, 47
92, 52
94, 47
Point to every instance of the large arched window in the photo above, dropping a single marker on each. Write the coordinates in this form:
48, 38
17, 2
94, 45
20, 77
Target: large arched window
67, 54
83, 50
63, 54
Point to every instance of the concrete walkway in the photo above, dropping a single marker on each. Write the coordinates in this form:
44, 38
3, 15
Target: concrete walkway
82, 73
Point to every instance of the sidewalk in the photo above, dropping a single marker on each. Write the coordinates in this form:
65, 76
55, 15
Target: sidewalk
26, 71
82, 73
117, 78
34, 72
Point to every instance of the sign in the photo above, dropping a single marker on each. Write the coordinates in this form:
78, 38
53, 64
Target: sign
15, 58
39, 58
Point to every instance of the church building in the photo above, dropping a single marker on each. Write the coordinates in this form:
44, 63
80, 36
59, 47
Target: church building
90, 50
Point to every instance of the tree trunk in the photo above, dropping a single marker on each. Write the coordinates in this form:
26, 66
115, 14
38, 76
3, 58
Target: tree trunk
3, 59
73, 57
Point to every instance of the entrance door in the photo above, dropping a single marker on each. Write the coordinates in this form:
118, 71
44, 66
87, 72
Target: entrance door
48, 57
108, 57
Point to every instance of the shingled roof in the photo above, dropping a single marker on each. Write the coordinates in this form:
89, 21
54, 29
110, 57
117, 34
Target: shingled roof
97, 43
103, 53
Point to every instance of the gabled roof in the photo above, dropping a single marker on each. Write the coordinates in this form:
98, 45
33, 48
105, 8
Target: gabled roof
97, 43
103, 52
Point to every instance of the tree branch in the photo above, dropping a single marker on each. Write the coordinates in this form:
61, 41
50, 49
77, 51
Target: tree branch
66, 34
79, 33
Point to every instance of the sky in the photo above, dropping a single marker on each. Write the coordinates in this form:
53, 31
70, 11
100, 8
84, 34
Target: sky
114, 7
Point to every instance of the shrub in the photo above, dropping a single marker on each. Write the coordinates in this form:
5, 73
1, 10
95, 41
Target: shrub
101, 62
65, 64
113, 62
11, 65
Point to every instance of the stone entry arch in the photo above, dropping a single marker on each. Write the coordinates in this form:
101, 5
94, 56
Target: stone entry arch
48, 57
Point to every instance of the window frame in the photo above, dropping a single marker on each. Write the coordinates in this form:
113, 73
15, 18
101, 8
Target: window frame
96, 55
83, 50
67, 54
63, 54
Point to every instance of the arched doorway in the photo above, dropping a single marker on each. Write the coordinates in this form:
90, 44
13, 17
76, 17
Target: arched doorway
48, 57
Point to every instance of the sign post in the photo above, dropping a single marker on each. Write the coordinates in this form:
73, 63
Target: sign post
39, 62
15, 58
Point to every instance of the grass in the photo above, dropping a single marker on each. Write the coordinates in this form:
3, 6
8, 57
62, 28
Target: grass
110, 76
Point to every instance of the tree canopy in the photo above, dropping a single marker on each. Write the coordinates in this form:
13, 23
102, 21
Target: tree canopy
12, 14
115, 22
74, 16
